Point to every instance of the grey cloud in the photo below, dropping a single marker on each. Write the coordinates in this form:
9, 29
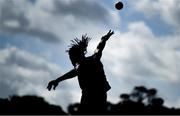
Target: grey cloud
9, 11
172, 14
168, 11
15, 56
19, 68
6, 90
43, 35
82, 9
52, 23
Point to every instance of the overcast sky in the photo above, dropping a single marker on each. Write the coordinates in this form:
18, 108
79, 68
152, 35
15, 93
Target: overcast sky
145, 49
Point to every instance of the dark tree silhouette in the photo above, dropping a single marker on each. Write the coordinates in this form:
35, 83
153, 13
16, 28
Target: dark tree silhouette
151, 94
27, 105
139, 93
73, 108
135, 103
126, 106
125, 97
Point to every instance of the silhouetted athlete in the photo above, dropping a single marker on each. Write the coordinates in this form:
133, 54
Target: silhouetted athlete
91, 76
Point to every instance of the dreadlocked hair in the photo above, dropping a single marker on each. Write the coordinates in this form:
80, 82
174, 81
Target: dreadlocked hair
79, 46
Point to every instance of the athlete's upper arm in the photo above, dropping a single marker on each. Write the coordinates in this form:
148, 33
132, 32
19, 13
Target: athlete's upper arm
97, 54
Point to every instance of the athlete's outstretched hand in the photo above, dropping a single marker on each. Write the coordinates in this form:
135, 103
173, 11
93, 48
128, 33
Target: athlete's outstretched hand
108, 35
53, 84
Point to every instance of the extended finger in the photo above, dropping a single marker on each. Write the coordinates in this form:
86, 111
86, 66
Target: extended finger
112, 33
49, 87
54, 87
